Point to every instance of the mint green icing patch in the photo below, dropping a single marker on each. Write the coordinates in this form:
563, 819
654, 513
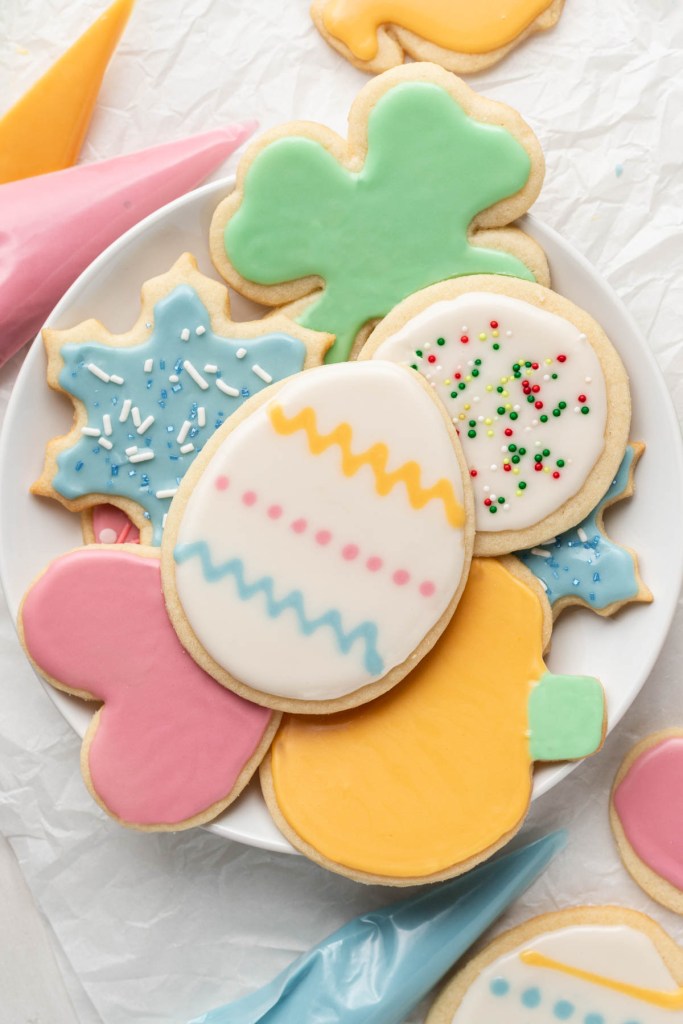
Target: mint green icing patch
152, 407
566, 717
398, 225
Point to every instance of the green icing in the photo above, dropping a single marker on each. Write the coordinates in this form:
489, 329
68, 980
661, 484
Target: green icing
566, 716
398, 225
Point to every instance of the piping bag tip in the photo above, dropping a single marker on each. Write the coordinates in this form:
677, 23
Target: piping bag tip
379, 966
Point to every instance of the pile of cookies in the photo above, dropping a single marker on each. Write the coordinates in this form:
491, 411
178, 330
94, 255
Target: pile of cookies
331, 542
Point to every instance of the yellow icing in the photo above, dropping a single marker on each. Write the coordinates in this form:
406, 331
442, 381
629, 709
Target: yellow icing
375, 457
464, 26
45, 129
438, 770
667, 1000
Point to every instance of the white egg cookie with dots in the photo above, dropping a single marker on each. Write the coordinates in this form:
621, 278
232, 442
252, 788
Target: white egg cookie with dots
535, 389
320, 544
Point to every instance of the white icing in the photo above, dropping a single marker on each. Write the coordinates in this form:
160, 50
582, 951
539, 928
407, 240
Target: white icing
273, 655
524, 333
618, 953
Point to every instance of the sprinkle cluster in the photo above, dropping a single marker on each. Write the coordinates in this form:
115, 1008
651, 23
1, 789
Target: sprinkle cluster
151, 407
510, 414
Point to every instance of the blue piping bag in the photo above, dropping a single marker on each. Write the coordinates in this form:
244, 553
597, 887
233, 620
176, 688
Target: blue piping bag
379, 966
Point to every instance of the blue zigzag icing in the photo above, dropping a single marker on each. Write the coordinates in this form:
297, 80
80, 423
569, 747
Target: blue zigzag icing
365, 632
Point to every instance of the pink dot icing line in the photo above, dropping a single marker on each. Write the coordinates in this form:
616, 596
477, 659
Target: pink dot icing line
649, 804
222, 483
170, 741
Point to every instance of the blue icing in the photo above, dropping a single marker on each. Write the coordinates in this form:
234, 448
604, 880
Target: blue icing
594, 1018
594, 569
563, 1009
531, 998
366, 632
499, 987
88, 467
377, 967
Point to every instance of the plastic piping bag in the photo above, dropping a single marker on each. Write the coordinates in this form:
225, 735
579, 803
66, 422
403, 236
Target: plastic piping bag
379, 966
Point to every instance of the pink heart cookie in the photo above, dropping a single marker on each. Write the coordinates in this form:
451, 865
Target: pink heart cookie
170, 748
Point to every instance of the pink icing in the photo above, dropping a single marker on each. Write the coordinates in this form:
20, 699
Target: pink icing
170, 742
112, 526
649, 803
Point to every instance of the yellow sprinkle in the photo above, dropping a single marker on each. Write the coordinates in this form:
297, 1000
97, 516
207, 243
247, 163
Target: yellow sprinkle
508, 405
482, 337
461, 416
468, 378
548, 362
489, 387
519, 493
488, 421
467, 406
503, 380
546, 469
495, 334
447, 382
515, 469
489, 433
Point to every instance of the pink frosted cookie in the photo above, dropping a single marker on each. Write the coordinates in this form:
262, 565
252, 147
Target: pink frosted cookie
646, 813
169, 748
107, 524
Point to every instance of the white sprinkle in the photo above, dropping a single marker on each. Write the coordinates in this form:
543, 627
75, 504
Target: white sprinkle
90, 431
195, 374
576, 409
506, 507
589, 380
241, 353
183, 432
200, 330
106, 421
210, 368
95, 369
226, 389
583, 536
260, 372
486, 488
149, 365
494, 467
163, 521
173, 379
201, 416
185, 334
185, 448
137, 418
115, 379
582, 337
464, 328
141, 456
544, 585
541, 553
508, 334
427, 344
105, 443
168, 493
108, 536
546, 376
123, 416
132, 450
538, 444
145, 425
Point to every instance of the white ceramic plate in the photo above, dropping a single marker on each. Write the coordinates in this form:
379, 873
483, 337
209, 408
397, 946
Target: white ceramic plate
620, 651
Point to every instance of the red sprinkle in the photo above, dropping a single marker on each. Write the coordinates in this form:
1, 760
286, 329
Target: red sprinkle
562, 359
487, 501
582, 398
556, 475
534, 366
458, 376
508, 432
431, 359
464, 339
538, 466
507, 467
538, 405
473, 472
536, 388
494, 324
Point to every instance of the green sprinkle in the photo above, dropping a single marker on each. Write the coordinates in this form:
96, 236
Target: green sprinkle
462, 385
521, 485
441, 341
546, 452
493, 508
475, 373
454, 394
528, 364
515, 367
472, 423
512, 447
538, 458
501, 501
418, 353
471, 433
560, 463
585, 410
516, 459
544, 418
522, 451
477, 362
530, 398
556, 412
500, 390
554, 376
562, 405
501, 410
496, 345
413, 366
513, 415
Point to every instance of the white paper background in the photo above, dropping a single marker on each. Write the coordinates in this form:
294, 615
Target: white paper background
161, 928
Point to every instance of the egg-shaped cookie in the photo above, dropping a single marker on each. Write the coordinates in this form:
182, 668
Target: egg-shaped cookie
320, 544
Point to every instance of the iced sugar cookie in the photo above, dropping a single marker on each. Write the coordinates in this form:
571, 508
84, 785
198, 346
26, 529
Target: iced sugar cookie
463, 37
433, 777
536, 390
147, 401
357, 225
107, 524
584, 566
588, 965
320, 543
646, 812
169, 748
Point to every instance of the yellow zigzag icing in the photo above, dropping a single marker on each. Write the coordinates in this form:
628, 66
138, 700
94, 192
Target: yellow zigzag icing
667, 1000
376, 457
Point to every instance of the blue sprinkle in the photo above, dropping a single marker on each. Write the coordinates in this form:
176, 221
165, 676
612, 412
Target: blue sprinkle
164, 393
499, 987
79, 466
115, 470
245, 392
170, 430
161, 403
596, 577
619, 170
575, 582
115, 400
178, 366
146, 515
148, 324
563, 1010
162, 364
531, 998
148, 385
145, 480
131, 472
594, 1018
176, 388
96, 450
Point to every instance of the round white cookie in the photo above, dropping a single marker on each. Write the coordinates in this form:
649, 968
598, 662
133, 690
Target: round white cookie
321, 542
535, 389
